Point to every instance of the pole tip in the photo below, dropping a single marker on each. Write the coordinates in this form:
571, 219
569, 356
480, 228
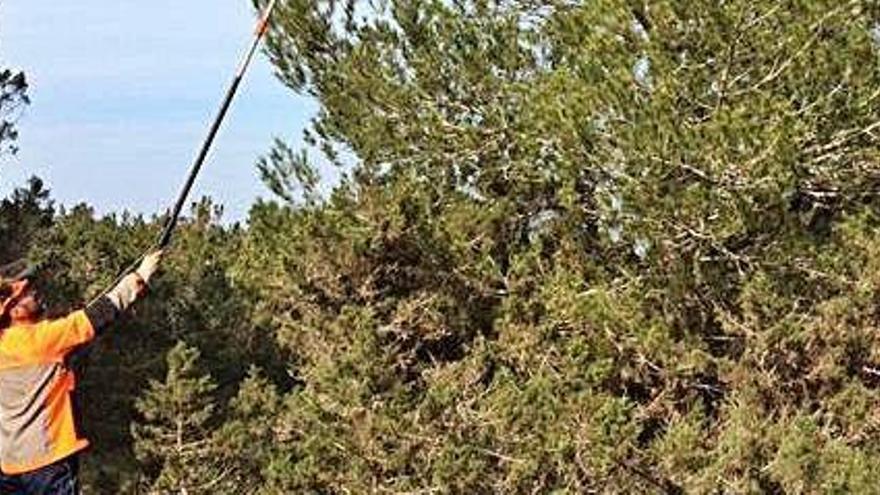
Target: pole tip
263, 24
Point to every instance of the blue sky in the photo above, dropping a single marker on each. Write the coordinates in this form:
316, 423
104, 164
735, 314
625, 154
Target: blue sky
122, 94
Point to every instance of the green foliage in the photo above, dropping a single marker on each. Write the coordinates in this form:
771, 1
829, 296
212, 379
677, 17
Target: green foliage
246, 441
583, 246
283, 170
193, 300
13, 97
613, 246
175, 432
24, 215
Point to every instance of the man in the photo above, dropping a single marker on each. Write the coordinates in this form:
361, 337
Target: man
39, 440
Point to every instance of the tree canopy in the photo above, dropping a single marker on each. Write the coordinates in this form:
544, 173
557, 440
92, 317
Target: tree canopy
13, 96
613, 246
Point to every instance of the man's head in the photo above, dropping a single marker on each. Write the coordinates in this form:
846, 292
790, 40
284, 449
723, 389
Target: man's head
19, 300
28, 306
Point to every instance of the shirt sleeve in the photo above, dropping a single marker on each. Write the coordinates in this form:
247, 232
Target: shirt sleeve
56, 338
101, 313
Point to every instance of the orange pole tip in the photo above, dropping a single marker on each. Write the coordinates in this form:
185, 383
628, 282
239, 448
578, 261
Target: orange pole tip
262, 25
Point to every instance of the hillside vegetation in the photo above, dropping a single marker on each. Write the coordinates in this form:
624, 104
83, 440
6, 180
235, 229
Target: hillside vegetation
580, 247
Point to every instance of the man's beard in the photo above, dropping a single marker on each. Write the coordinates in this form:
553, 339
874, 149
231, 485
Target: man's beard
33, 311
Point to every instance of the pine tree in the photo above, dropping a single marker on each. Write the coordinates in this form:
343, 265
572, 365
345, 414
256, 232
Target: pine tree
176, 432
248, 437
614, 246
25, 216
13, 97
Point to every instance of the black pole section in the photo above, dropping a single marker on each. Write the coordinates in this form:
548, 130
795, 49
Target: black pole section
197, 166
171, 223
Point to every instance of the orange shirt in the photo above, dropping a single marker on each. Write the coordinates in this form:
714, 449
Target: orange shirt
37, 424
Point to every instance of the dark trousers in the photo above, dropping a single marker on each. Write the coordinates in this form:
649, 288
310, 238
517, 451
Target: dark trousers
59, 478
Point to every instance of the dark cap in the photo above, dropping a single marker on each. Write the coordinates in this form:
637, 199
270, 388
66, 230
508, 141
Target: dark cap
17, 270
14, 272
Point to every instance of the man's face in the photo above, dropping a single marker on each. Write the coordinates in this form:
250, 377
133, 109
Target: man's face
28, 306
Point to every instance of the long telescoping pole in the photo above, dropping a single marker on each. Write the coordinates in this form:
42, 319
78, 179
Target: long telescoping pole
174, 215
